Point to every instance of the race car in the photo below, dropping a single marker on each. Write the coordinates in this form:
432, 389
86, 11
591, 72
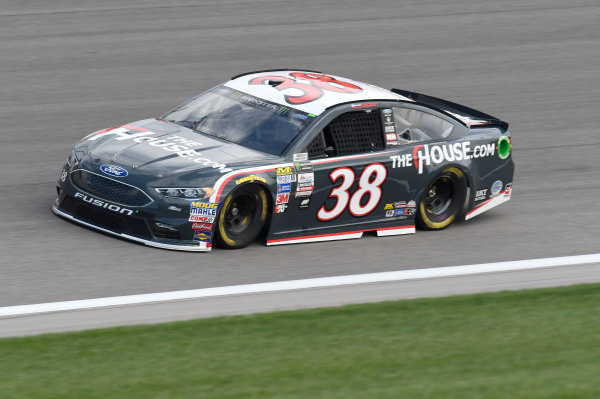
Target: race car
293, 156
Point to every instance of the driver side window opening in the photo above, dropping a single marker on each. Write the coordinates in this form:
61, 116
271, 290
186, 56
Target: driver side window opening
413, 126
350, 133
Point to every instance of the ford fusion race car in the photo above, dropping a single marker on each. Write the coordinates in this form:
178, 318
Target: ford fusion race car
295, 155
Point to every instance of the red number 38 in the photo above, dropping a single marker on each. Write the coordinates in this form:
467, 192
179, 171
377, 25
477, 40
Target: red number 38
307, 91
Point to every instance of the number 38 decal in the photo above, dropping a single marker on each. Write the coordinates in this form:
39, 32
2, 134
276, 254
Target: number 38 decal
308, 91
369, 184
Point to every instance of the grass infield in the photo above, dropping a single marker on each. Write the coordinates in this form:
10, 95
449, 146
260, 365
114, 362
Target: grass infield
525, 344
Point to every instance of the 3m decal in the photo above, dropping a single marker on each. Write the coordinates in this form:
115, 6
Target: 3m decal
369, 182
425, 155
308, 86
283, 198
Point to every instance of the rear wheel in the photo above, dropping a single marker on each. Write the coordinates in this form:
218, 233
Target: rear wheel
443, 200
242, 216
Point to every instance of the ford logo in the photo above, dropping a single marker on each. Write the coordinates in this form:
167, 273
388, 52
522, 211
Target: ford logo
114, 170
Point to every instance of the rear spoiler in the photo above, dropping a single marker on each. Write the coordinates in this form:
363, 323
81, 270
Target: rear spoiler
469, 117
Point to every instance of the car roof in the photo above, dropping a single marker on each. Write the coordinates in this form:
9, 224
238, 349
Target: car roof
263, 84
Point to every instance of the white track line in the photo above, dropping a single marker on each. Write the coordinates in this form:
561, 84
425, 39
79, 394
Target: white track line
21, 310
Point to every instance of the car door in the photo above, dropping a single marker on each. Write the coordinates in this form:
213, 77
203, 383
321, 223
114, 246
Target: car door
345, 179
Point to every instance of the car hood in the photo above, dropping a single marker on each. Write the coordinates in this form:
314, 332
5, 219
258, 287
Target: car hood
159, 148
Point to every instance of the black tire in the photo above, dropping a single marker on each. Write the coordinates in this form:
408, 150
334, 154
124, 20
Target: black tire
242, 217
443, 200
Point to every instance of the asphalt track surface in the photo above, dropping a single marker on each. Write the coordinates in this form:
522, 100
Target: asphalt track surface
68, 68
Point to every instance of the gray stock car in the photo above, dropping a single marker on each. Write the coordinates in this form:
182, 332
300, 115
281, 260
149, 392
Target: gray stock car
295, 155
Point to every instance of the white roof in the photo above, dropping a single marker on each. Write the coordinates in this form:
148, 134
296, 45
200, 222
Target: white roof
310, 92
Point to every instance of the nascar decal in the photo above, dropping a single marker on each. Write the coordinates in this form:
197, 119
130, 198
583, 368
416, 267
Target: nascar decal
434, 154
307, 86
183, 147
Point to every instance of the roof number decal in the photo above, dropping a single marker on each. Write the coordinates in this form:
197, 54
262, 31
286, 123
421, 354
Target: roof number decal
309, 91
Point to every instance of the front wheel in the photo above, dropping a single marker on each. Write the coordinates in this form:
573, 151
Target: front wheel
443, 200
242, 217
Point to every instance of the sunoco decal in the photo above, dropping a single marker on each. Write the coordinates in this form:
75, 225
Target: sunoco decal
434, 154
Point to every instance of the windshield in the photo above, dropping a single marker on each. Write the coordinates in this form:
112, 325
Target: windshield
242, 119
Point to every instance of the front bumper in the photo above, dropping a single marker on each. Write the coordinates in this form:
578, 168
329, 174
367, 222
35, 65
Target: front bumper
199, 247
139, 224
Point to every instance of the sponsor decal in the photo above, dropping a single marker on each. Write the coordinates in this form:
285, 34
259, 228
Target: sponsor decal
388, 206
304, 203
103, 204
426, 155
400, 204
174, 208
250, 179
300, 116
386, 111
364, 105
300, 157
410, 211
114, 170
284, 171
283, 198
480, 195
398, 212
303, 166
204, 236
390, 213
202, 209
280, 208
411, 204
286, 179
391, 137
202, 226
508, 189
183, 147
200, 218
305, 187
302, 194
496, 188
63, 176
306, 177
284, 188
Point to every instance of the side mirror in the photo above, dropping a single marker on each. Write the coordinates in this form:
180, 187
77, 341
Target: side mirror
329, 151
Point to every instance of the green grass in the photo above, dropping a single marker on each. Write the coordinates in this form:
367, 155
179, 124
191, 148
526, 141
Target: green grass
526, 344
